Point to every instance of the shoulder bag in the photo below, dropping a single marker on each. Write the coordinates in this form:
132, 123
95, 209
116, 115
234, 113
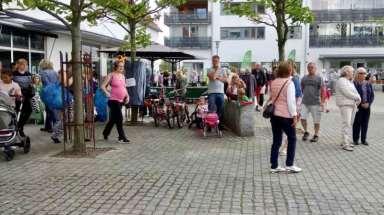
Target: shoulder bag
270, 109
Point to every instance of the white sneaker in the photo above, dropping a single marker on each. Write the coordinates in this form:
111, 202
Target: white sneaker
347, 147
277, 169
293, 169
283, 153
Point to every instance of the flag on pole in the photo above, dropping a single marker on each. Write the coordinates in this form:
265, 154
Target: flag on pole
247, 60
292, 55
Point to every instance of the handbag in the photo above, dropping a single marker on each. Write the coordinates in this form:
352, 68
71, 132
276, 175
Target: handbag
270, 109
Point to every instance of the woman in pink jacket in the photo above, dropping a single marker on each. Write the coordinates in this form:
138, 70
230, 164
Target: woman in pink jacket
284, 119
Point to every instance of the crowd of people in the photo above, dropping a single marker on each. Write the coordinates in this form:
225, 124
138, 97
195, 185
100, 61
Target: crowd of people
294, 100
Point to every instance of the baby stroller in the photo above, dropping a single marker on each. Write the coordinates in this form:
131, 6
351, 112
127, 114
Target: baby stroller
10, 138
211, 122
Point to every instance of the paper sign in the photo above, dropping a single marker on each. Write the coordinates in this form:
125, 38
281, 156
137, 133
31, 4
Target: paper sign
130, 82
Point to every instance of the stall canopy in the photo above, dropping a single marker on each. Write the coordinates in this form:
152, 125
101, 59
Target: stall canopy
156, 52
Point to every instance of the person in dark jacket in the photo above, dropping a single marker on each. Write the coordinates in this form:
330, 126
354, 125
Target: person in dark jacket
250, 82
360, 124
24, 79
261, 80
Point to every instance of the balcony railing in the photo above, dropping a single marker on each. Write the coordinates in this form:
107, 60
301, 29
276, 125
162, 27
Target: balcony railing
187, 18
346, 41
189, 42
348, 15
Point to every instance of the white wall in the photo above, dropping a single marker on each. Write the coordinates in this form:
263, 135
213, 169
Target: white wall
262, 50
54, 46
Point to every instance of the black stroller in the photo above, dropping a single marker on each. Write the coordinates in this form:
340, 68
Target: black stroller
10, 138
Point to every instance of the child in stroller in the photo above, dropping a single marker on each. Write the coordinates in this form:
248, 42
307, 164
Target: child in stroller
197, 115
9, 136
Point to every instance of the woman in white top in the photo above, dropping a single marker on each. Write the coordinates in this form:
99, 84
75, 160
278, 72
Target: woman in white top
347, 99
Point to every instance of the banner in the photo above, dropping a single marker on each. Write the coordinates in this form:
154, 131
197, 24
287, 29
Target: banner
247, 60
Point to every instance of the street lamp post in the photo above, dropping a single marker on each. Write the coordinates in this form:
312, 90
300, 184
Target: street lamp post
217, 46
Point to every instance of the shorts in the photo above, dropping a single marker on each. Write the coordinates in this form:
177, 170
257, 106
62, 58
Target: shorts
314, 110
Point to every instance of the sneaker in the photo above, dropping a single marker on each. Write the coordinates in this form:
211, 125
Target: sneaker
314, 139
305, 136
55, 140
283, 153
347, 147
124, 140
365, 143
277, 169
257, 109
293, 169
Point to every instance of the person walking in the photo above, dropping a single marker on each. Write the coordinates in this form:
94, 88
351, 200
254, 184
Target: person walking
217, 77
284, 119
347, 98
261, 81
24, 79
366, 92
48, 76
118, 96
313, 101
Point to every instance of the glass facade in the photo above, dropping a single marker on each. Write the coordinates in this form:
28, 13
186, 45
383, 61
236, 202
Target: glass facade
26, 44
260, 9
346, 4
243, 33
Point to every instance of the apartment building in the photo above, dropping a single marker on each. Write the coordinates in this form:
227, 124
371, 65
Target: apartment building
347, 32
190, 29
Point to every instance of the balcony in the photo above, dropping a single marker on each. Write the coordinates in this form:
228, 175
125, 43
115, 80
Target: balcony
346, 41
348, 15
189, 42
187, 18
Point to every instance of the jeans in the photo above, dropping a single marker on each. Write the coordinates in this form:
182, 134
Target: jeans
216, 104
48, 124
361, 124
115, 117
347, 117
280, 125
57, 123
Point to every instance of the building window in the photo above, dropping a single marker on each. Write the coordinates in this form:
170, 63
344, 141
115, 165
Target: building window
294, 32
245, 33
37, 42
5, 39
258, 8
20, 41
190, 31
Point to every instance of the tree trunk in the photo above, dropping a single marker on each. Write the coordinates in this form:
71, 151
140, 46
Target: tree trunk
132, 28
280, 29
79, 143
281, 47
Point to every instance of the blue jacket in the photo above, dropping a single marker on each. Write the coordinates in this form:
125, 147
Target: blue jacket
296, 81
370, 92
49, 76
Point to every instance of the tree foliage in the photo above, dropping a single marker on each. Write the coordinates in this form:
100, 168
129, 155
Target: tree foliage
280, 14
134, 16
71, 13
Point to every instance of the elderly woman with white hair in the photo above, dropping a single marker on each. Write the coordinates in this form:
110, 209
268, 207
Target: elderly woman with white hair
347, 99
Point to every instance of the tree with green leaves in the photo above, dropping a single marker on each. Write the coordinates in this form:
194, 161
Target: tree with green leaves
135, 16
71, 14
280, 14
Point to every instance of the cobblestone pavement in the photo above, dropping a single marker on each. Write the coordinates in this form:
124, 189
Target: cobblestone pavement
177, 172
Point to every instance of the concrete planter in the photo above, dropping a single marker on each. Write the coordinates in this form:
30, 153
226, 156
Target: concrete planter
240, 119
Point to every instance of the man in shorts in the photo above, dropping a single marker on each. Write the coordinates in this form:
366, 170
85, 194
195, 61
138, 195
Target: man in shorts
313, 101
